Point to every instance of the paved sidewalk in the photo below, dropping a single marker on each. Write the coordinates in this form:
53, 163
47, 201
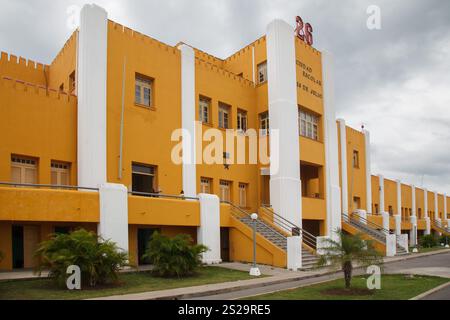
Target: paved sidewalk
278, 276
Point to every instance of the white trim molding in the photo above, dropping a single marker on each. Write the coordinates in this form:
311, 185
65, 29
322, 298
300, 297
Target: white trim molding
344, 169
92, 77
368, 172
285, 185
188, 109
333, 189
208, 233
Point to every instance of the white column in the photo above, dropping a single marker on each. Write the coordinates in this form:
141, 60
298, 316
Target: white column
114, 214
391, 245
188, 109
425, 209
344, 169
436, 208
398, 217
381, 189
333, 190
368, 173
294, 253
413, 218
92, 65
208, 233
285, 185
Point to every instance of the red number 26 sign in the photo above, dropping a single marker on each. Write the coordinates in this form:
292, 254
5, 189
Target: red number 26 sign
304, 31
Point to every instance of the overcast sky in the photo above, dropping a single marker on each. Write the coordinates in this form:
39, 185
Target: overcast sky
395, 81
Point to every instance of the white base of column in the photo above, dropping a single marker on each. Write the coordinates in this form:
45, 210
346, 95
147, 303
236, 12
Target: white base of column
413, 232
391, 245
403, 241
208, 233
255, 272
294, 253
114, 214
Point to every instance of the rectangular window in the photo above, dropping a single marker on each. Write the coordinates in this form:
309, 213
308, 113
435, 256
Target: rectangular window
225, 191
356, 203
72, 82
355, 159
204, 110
262, 73
242, 120
224, 116
144, 178
243, 187
205, 185
60, 173
23, 170
144, 91
264, 125
308, 124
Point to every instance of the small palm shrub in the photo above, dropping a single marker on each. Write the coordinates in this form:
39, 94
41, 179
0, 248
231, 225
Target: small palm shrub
428, 241
99, 260
174, 257
347, 251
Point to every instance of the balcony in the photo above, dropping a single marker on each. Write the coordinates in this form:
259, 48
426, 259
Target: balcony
314, 208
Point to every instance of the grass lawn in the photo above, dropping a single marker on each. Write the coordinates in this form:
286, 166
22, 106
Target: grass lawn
393, 287
44, 289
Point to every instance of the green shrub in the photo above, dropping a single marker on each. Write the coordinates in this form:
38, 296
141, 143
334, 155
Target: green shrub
99, 260
428, 241
172, 257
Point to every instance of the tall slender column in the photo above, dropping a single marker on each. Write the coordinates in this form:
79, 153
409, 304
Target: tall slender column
368, 173
285, 185
413, 218
344, 170
398, 216
333, 191
92, 69
425, 210
188, 120
381, 183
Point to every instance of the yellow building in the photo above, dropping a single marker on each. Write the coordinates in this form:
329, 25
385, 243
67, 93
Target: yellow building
92, 141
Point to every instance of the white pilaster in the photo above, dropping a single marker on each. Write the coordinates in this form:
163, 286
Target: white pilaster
413, 218
333, 190
398, 224
208, 233
399, 197
188, 109
381, 189
114, 214
368, 173
391, 245
285, 185
386, 222
294, 253
92, 69
413, 201
436, 206
344, 169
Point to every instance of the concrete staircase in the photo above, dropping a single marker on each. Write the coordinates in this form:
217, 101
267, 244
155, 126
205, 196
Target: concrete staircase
376, 234
309, 260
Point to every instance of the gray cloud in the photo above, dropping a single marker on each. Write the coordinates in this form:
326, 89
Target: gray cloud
395, 80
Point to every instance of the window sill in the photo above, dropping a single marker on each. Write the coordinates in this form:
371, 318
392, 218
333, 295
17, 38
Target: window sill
151, 108
311, 139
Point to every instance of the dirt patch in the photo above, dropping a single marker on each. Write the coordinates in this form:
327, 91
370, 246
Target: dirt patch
347, 292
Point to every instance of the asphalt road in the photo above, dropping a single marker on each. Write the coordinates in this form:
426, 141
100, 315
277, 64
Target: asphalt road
431, 265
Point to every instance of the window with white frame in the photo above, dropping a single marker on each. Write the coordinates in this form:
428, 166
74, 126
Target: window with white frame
23, 170
224, 116
309, 124
204, 110
243, 187
225, 191
60, 173
242, 120
262, 73
264, 123
143, 91
205, 185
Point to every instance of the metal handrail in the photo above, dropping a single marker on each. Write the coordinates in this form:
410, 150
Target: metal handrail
369, 223
308, 238
161, 195
47, 186
249, 215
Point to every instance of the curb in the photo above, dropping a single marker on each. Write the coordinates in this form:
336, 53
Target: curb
425, 294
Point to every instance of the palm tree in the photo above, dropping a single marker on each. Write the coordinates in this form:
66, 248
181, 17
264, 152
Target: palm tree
348, 250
